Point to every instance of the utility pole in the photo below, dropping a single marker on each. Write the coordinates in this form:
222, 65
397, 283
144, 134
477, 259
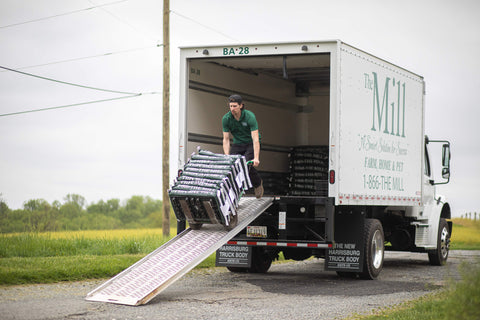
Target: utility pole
166, 118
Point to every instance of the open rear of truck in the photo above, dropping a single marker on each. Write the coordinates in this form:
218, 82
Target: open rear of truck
289, 94
289, 90
342, 138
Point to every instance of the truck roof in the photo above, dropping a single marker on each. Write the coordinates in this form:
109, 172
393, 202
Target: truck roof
338, 42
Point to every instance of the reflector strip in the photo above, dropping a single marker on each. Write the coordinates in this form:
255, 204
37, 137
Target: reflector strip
377, 199
282, 244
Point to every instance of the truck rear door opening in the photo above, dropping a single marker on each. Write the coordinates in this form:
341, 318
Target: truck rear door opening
289, 95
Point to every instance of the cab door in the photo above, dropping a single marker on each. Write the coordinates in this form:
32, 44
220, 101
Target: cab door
428, 182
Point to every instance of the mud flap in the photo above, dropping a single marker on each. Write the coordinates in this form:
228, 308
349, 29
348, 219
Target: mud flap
347, 254
234, 256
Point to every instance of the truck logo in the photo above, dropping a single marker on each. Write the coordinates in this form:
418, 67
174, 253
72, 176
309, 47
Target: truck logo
380, 114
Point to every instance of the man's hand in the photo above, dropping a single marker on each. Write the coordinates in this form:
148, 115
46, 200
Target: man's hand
256, 162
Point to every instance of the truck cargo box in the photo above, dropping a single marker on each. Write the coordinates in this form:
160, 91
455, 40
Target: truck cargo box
366, 113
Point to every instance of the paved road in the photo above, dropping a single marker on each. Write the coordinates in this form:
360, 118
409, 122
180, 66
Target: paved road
296, 290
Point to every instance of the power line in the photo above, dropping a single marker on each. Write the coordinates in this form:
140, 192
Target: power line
87, 57
68, 83
127, 23
75, 104
61, 14
126, 94
204, 25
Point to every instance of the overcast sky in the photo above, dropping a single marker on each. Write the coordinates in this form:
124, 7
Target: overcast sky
113, 149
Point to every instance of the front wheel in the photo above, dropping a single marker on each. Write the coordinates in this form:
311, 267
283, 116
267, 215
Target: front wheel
374, 248
439, 256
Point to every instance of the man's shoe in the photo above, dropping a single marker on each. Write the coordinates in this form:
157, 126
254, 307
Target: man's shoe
259, 191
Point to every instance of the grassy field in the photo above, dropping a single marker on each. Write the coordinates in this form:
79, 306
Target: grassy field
466, 234
76, 255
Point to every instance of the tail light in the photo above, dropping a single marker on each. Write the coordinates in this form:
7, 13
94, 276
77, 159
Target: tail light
332, 176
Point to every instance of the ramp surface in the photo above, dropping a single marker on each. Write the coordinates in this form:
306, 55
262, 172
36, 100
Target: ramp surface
148, 277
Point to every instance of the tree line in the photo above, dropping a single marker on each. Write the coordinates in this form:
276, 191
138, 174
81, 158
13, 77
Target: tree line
73, 213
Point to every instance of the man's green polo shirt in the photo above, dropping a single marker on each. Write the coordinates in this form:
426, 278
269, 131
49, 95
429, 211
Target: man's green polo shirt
241, 129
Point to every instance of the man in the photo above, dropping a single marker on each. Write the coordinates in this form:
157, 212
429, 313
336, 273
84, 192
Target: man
243, 126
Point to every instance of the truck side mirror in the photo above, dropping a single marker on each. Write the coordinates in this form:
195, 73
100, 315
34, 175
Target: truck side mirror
446, 161
446, 155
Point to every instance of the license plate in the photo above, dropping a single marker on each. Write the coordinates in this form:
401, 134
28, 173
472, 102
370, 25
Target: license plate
257, 231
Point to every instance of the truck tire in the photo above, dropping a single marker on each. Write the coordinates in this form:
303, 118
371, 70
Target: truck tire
374, 248
439, 256
261, 261
297, 254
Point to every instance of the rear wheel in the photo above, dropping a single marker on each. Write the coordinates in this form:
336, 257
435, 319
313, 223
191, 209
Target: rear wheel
374, 248
297, 254
261, 262
439, 256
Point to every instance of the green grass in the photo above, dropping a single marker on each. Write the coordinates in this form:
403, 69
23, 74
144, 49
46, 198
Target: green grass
465, 234
38, 245
64, 268
45, 258
459, 301
64, 256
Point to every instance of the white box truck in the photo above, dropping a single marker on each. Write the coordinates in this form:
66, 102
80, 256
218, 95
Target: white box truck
343, 153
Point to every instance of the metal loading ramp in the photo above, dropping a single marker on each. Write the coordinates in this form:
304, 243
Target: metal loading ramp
142, 281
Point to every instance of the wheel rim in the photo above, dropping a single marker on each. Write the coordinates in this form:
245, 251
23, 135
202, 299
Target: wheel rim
377, 249
444, 242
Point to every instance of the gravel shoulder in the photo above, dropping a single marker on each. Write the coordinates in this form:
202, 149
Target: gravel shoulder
292, 290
